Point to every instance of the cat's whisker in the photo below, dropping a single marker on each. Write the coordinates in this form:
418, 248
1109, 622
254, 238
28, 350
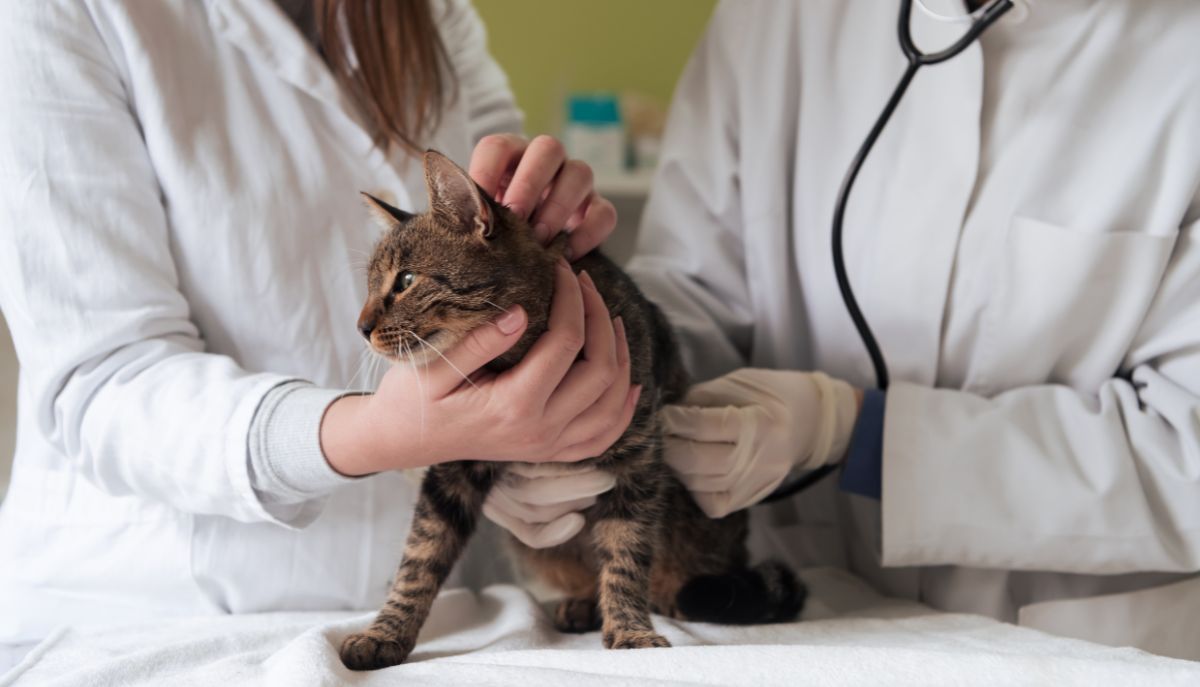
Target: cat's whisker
360, 260
443, 357
373, 373
382, 368
423, 375
362, 362
420, 383
487, 302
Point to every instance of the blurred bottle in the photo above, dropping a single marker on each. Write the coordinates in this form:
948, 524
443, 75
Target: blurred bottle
644, 121
595, 133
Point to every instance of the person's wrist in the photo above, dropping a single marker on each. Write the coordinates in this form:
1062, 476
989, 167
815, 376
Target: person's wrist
859, 395
347, 439
846, 403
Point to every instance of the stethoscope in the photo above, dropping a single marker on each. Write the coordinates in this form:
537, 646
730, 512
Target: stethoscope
980, 20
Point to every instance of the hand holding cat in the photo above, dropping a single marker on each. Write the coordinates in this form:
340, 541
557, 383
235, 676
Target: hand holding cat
738, 436
537, 180
541, 505
554, 405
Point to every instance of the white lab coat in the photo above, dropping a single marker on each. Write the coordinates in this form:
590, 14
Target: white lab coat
1037, 297
181, 232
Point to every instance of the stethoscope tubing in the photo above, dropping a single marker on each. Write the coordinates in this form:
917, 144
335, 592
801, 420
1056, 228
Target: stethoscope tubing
916, 59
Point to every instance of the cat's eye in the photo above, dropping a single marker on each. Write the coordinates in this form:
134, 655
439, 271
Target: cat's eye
403, 281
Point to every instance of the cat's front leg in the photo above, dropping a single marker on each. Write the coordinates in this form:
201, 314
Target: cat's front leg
451, 497
624, 535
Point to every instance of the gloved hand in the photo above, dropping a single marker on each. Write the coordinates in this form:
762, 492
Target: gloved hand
540, 504
735, 438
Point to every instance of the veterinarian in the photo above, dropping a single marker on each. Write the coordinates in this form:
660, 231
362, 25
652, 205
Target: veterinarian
182, 254
1025, 243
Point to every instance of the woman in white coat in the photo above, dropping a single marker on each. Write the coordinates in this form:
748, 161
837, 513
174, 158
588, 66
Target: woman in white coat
1025, 243
182, 244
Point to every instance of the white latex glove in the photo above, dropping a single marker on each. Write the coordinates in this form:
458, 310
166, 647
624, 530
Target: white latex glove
737, 437
541, 503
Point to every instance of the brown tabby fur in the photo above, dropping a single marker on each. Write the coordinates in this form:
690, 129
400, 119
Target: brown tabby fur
644, 539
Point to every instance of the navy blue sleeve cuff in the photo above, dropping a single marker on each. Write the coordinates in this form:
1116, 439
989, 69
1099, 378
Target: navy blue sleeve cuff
862, 471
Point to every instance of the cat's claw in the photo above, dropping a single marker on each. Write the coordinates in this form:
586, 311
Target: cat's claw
366, 651
635, 639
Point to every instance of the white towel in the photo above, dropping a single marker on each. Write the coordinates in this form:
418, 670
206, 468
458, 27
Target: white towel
503, 637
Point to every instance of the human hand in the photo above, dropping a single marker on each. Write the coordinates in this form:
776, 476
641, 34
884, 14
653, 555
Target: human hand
537, 181
736, 438
541, 505
554, 405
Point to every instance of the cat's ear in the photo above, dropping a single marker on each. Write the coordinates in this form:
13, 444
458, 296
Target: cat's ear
455, 198
386, 215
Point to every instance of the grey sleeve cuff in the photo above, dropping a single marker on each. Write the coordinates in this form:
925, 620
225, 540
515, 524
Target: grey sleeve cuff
288, 470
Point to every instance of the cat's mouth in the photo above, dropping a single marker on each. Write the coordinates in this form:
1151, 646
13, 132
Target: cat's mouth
411, 347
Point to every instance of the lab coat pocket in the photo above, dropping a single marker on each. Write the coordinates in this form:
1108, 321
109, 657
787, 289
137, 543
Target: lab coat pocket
1069, 302
1163, 619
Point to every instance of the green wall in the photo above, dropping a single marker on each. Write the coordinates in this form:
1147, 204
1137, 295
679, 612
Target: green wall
552, 47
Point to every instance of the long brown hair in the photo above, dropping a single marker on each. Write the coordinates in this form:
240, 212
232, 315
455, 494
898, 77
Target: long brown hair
402, 78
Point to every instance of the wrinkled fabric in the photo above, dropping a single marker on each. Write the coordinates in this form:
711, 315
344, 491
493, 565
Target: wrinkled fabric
501, 637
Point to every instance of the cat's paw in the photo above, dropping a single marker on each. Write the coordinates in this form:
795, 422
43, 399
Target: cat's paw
634, 639
577, 615
368, 651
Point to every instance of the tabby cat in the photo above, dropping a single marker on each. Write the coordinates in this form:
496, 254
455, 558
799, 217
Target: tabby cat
646, 546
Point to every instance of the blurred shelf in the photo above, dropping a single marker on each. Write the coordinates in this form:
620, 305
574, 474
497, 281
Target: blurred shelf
628, 184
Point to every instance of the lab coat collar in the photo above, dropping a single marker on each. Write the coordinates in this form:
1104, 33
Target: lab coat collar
261, 30
264, 33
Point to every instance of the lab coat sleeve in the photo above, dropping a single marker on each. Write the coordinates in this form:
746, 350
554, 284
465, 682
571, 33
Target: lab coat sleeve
1049, 478
690, 258
115, 372
288, 470
491, 107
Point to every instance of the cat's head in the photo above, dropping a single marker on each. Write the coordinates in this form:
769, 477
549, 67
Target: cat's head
436, 276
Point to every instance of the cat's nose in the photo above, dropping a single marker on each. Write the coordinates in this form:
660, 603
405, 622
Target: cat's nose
368, 317
366, 327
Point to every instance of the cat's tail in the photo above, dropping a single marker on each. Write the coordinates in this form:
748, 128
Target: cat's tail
767, 593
